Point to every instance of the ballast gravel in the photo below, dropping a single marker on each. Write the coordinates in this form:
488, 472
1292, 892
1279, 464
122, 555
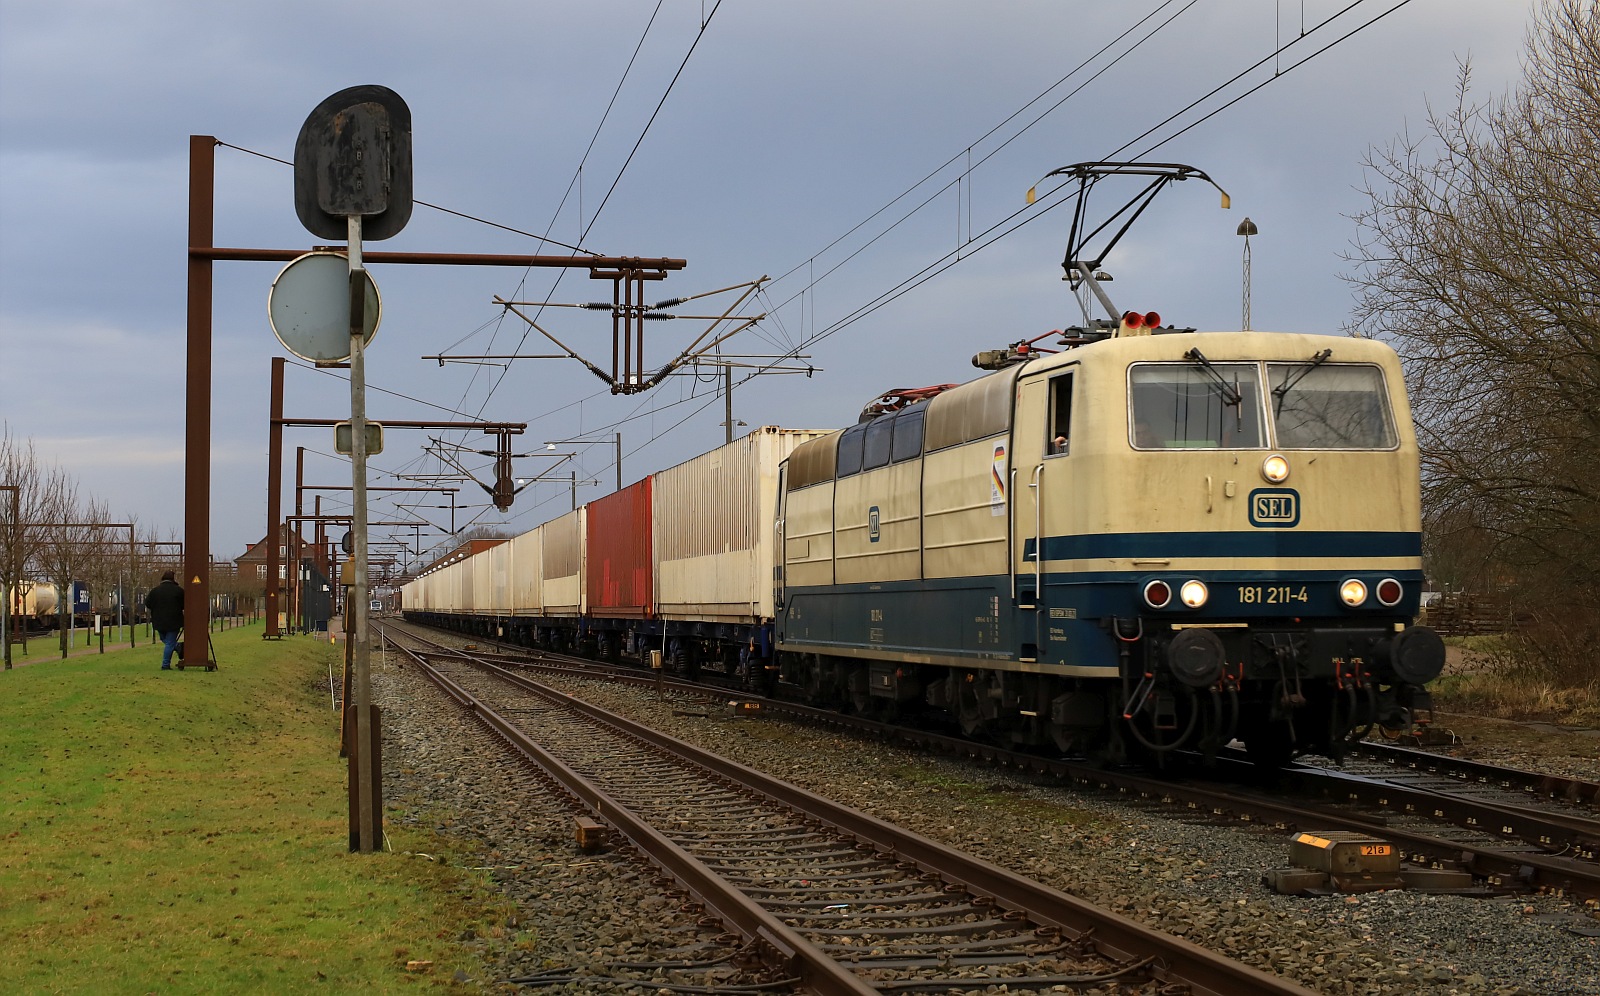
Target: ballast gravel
1192, 878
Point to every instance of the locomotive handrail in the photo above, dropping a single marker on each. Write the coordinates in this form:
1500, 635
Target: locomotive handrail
1037, 484
1011, 530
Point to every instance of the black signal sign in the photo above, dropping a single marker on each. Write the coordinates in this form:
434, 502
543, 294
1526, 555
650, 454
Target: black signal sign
353, 157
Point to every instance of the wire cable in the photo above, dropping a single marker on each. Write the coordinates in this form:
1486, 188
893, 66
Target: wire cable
426, 204
966, 251
704, 24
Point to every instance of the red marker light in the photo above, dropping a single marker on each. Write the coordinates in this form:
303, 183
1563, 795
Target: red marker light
1157, 594
1389, 592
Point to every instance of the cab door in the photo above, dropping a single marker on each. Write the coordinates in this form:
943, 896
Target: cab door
1041, 446
780, 547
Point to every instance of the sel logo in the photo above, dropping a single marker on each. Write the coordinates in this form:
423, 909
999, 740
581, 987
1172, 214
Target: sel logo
1275, 508
872, 524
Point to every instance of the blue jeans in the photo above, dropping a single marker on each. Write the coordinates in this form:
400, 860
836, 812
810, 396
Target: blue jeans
169, 646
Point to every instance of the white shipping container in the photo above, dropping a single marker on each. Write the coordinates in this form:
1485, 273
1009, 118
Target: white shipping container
481, 567
491, 580
562, 559
527, 574
713, 520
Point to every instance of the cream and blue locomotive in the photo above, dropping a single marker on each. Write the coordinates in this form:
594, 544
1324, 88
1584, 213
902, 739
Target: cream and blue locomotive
1153, 539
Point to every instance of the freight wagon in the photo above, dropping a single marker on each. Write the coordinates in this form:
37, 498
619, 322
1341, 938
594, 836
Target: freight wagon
681, 561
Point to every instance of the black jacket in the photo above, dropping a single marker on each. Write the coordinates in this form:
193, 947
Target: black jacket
165, 603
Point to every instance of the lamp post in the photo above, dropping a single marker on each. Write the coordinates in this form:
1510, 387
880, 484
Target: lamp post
12, 571
1247, 228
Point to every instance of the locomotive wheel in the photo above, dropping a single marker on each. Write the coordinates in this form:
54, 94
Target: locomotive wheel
860, 693
1269, 746
818, 681
969, 708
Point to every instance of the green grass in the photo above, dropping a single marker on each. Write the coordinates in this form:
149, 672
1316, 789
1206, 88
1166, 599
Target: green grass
47, 646
187, 832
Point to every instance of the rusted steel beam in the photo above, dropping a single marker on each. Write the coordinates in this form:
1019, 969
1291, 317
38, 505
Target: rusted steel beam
203, 252
274, 495
401, 424
197, 390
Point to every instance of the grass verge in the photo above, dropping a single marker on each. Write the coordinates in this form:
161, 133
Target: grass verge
1494, 676
186, 832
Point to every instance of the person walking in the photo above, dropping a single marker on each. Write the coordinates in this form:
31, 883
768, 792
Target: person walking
165, 603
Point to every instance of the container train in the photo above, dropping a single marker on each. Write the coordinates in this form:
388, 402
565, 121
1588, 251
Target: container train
1152, 539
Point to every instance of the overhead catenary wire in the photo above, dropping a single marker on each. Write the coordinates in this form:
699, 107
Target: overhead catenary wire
813, 280
988, 236
705, 23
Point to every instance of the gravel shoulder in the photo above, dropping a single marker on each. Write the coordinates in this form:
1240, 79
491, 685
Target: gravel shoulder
1194, 879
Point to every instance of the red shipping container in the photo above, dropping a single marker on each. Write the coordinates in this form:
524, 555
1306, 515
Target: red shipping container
619, 554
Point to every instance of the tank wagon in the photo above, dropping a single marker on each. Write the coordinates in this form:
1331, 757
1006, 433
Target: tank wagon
1152, 539
34, 611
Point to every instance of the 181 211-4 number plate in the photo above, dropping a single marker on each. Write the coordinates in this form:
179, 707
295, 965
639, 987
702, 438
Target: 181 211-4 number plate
1273, 594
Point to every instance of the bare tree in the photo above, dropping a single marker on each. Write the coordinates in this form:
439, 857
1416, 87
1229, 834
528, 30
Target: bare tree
64, 542
1479, 258
19, 467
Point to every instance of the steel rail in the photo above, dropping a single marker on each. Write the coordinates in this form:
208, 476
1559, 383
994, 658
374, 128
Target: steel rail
1506, 868
1581, 878
1178, 961
1575, 790
1557, 832
737, 910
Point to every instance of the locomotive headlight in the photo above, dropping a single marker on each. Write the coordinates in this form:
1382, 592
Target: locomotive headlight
1194, 594
1275, 469
1354, 592
1388, 592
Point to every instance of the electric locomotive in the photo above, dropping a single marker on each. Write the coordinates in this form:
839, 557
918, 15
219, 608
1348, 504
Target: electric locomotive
1154, 539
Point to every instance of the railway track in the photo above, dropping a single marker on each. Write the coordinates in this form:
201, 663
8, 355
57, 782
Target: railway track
844, 901
1517, 842
1573, 791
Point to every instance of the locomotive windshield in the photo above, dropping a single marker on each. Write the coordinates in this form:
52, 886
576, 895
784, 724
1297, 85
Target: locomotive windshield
1313, 405
1330, 407
1195, 407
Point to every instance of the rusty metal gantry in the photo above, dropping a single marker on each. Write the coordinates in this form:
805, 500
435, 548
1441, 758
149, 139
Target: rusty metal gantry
502, 431
203, 253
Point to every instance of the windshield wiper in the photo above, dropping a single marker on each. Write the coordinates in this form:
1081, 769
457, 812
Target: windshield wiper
1288, 385
1228, 392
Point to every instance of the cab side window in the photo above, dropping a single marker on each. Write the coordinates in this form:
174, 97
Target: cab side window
875, 452
908, 434
1059, 424
849, 461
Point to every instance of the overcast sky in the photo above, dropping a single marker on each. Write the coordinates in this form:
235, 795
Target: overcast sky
789, 125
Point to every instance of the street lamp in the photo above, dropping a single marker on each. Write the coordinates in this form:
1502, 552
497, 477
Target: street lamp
1247, 228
